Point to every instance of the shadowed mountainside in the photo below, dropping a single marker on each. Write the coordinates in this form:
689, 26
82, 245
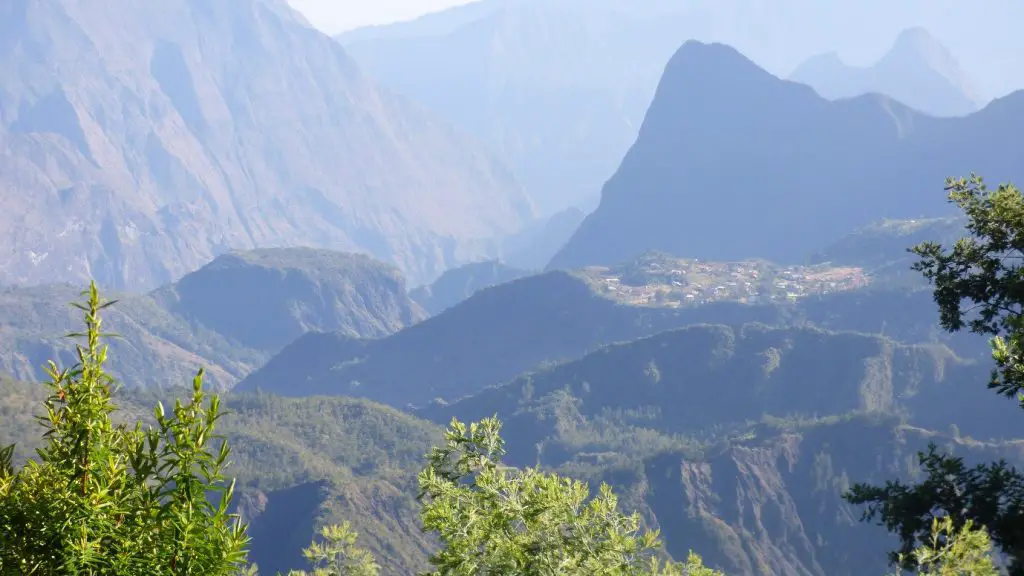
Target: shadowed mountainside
457, 284
504, 330
229, 316
699, 379
809, 166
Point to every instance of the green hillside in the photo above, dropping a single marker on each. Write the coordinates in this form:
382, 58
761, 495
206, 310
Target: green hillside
707, 382
504, 330
735, 443
881, 248
300, 463
229, 316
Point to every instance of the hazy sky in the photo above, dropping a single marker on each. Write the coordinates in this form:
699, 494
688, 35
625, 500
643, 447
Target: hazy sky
333, 16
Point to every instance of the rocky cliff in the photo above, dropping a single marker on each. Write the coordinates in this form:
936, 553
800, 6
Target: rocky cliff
140, 140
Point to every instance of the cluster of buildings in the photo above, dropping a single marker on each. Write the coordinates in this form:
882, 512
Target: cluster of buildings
677, 282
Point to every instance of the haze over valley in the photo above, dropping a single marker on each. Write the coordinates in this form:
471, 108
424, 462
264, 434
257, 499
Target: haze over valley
705, 253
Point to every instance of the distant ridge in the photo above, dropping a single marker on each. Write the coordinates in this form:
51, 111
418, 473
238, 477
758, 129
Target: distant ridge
732, 163
917, 71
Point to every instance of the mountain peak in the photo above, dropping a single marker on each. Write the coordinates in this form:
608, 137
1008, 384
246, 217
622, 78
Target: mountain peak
916, 36
699, 57
917, 50
919, 43
720, 82
730, 161
917, 71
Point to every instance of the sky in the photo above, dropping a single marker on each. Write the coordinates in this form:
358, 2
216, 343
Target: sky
334, 16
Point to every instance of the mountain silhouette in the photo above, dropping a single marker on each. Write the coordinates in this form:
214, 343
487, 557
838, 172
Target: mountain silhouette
917, 71
732, 163
559, 88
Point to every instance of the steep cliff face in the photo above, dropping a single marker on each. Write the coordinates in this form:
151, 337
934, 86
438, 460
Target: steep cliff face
283, 522
773, 506
140, 140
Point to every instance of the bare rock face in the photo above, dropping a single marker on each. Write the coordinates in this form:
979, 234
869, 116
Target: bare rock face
140, 140
774, 505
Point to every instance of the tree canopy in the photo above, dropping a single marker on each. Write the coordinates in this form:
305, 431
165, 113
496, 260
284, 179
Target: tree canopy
493, 519
106, 499
978, 284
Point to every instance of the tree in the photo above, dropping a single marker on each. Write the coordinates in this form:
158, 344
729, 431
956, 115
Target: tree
984, 270
338, 555
106, 499
953, 552
988, 495
492, 519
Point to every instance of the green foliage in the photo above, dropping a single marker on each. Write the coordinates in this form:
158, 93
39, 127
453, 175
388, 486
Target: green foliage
955, 552
338, 555
989, 495
105, 498
367, 454
983, 269
492, 519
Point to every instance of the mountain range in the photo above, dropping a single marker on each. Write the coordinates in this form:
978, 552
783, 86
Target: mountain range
811, 167
610, 223
559, 88
666, 382
758, 492
501, 331
534, 81
734, 428
917, 71
176, 130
